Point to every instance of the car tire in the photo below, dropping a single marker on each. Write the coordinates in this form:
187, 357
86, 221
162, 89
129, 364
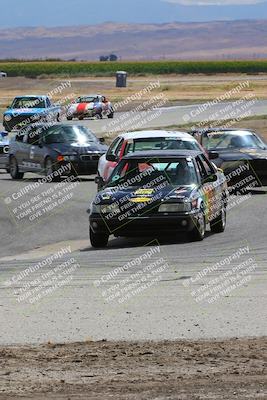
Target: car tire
14, 169
98, 240
69, 118
49, 170
111, 115
99, 115
219, 223
198, 233
81, 117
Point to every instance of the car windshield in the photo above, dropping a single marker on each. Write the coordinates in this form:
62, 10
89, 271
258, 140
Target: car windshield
132, 173
232, 140
163, 143
69, 134
28, 102
86, 99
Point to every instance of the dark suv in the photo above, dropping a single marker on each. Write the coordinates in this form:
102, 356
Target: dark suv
55, 150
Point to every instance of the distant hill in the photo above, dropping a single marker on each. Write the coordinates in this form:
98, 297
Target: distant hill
210, 40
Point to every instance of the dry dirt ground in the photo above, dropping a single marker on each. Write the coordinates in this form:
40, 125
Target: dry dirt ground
180, 370
185, 88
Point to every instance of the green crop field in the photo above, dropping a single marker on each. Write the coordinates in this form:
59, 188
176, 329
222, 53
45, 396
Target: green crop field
35, 69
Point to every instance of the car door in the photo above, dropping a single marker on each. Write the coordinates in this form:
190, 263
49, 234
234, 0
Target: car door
4, 149
34, 159
211, 191
20, 150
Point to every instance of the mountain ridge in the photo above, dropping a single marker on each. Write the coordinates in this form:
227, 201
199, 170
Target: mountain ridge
243, 39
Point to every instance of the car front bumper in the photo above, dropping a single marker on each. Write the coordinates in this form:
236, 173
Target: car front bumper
136, 226
22, 120
80, 167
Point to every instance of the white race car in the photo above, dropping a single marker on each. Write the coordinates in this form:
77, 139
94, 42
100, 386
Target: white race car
143, 140
90, 106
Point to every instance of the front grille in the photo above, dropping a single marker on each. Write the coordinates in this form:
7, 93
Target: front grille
89, 157
25, 118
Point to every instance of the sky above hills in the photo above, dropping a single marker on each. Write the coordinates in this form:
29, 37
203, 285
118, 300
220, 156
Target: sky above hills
23, 13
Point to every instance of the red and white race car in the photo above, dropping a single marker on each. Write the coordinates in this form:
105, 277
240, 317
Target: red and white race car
143, 140
95, 105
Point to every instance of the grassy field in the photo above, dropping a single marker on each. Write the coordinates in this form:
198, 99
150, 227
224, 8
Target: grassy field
35, 69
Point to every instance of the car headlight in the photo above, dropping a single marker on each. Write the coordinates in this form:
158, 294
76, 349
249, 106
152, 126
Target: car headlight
66, 158
94, 208
110, 209
175, 207
7, 118
70, 158
104, 209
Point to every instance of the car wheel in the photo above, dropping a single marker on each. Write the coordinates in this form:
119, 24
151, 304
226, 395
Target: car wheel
99, 115
198, 233
49, 170
81, 117
97, 239
14, 169
219, 223
111, 115
69, 118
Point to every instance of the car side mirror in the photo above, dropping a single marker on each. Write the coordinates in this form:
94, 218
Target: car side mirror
213, 155
209, 179
111, 157
102, 140
99, 181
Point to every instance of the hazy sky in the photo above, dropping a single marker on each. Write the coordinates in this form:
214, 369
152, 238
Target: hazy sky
16, 13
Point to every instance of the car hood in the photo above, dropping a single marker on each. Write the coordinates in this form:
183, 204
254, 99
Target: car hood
24, 111
151, 195
78, 148
241, 154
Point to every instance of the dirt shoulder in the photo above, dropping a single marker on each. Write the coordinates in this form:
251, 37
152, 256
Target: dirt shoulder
184, 370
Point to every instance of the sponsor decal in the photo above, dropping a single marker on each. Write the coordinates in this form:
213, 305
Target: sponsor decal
140, 199
145, 192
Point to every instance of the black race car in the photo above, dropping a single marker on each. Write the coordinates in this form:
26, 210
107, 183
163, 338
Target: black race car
55, 151
4, 148
159, 192
240, 153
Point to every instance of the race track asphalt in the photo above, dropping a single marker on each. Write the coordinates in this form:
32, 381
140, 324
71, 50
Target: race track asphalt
171, 308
